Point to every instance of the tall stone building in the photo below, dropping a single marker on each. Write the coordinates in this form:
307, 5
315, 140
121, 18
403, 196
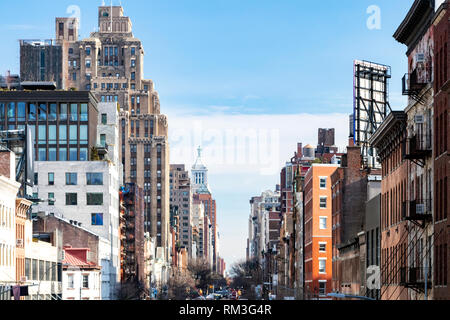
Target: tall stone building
201, 192
110, 64
181, 197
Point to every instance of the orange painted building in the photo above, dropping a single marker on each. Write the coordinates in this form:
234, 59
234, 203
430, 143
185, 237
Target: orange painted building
318, 231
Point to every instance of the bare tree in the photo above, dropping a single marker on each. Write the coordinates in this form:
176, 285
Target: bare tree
180, 286
201, 272
247, 275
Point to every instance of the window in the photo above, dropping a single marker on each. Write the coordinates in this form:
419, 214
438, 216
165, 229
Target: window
11, 112
34, 269
42, 154
73, 134
32, 112
322, 288
322, 247
51, 178
97, 219
84, 112
63, 112
94, 199
62, 154
73, 112
51, 195
83, 154
42, 134
83, 134
51, 154
133, 63
28, 268
88, 64
88, 51
322, 223
323, 182
133, 76
70, 49
73, 154
94, 179
323, 202
41, 269
74, 75
36, 175
42, 111
71, 199
104, 118
322, 265
133, 51
70, 281
85, 281
21, 111
103, 140
71, 179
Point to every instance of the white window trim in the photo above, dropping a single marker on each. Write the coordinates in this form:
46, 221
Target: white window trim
323, 259
326, 198
326, 222
326, 182
326, 283
325, 243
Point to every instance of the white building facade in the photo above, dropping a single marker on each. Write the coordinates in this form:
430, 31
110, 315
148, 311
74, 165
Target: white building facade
8, 193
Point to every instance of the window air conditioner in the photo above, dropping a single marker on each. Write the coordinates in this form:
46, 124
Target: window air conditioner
420, 208
419, 119
420, 57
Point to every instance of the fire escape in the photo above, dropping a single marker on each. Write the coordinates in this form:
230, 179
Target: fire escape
418, 148
413, 83
408, 268
129, 243
417, 211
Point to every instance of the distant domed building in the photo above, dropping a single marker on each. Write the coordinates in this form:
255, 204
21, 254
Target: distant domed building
199, 175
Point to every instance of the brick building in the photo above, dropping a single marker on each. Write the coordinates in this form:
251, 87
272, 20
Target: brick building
350, 188
318, 231
181, 197
441, 153
389, 141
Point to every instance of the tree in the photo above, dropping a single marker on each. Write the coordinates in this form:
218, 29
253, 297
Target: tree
201, 272
180, 286
247, 275
94, 154
132, 290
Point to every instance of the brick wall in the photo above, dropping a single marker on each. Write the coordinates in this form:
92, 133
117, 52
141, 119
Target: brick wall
7, 164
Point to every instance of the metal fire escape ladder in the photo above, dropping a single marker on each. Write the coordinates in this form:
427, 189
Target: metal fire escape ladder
385, 267
395, 270
427, 253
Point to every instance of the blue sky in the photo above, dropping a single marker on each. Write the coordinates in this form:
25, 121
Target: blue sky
217, 61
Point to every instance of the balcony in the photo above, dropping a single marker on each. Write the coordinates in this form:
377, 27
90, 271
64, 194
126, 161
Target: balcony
414, 278
418, 147
413, 83
417, 210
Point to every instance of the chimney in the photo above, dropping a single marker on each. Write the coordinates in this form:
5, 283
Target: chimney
8, 164
299, 150
354, 157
